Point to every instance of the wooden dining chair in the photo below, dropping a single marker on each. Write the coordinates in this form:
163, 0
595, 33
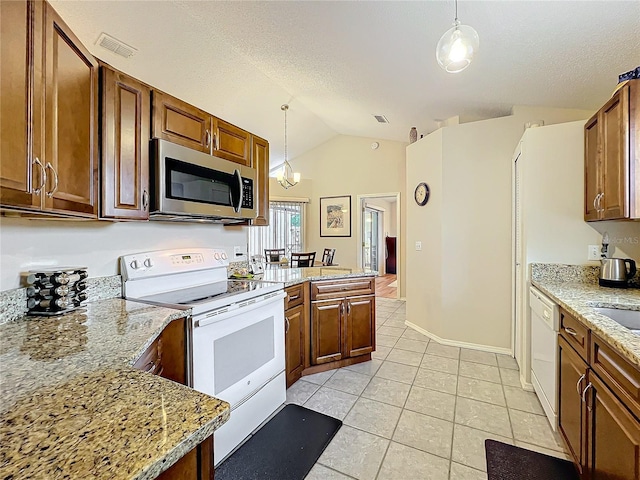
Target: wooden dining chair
303, 259
273, 254
327, 256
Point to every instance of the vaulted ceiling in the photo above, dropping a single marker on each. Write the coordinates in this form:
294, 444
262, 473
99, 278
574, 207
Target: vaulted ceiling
339, 63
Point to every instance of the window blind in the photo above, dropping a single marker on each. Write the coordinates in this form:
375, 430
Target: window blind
285, 229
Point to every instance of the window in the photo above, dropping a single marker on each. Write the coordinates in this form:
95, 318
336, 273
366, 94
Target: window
285, 230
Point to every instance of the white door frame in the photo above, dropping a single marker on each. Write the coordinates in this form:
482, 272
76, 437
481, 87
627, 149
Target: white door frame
359, 202
381, 219
520, 339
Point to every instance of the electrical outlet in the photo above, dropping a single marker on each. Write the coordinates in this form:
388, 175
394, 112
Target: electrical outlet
239, 254
594, 252
418, 246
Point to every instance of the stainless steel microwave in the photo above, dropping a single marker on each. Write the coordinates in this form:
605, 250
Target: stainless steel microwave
188, 185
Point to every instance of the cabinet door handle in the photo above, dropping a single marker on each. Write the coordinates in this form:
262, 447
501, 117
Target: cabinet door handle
215, 142
348, 308
584, 394
600, 202
570, 331
55, 180
43, 176
342, 308
145, 200
207, 138
580, 382
595, 201
286, 324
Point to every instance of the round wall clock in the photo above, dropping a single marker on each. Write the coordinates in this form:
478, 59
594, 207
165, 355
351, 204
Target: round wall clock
421, 194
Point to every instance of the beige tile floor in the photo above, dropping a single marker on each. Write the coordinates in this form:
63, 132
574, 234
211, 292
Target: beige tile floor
421, 410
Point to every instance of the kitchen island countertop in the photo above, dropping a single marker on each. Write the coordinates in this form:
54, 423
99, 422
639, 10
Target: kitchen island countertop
72, 405
580, 299
293, 276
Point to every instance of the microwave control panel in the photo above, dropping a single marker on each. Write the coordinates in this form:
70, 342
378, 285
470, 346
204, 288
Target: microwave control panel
247, 193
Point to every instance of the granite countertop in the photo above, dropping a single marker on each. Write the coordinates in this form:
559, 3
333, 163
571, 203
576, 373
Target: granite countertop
580, 299
72, 405
293, 276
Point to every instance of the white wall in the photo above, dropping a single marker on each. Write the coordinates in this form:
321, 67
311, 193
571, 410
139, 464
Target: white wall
27, 244
464, 268
347, 165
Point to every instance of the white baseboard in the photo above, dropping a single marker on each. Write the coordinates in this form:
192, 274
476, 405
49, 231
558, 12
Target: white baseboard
528, 386
456, 343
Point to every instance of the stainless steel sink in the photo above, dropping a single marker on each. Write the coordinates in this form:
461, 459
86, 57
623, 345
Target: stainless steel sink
627, 318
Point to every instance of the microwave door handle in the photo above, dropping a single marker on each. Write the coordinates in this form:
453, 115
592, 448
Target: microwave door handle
237, 205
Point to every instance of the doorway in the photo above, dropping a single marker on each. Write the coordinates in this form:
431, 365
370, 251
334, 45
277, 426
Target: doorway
379, 236
372, 219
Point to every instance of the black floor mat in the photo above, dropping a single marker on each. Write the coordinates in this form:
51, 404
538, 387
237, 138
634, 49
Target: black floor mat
285, 448
506, 462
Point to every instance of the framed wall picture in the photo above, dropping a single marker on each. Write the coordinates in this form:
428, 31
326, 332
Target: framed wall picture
335, 216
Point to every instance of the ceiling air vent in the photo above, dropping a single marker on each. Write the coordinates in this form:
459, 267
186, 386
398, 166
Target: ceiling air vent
381, 118
116, 46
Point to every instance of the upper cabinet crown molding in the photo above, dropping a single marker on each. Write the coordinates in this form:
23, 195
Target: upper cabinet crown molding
612, 158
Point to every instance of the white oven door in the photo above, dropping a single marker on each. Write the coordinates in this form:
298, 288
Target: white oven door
238, 351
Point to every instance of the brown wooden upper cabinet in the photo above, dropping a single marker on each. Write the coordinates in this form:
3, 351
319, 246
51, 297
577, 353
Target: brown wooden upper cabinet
260, 156
179, 122
20, 183
126, 104
612, 158
50, 167
231, 143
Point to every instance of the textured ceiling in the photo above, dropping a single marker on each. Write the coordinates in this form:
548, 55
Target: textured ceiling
338, 63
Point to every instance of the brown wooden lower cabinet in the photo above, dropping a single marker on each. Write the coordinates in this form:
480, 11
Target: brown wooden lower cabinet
596, 406
295, 319
342, 327
195, 465
571, 382
614, 436
327, 325
167, 355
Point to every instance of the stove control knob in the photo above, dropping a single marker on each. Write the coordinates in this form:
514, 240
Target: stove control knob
148, 263
135, 264
216, 255
224, 256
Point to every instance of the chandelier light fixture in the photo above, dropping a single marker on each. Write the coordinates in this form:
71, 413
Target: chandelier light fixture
457, 46
286, 177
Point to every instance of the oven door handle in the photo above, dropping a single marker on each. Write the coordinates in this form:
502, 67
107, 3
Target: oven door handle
237, 309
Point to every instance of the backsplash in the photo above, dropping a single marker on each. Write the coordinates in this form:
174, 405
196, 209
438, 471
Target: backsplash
13, 303
557, 272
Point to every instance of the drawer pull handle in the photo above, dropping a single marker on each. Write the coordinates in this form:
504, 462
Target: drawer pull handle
570, 331
580, 383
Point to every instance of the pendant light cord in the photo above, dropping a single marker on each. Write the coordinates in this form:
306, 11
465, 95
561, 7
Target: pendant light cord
456, 10
285, 107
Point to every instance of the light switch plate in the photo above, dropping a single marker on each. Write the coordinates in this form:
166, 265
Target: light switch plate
418, 246
594, 252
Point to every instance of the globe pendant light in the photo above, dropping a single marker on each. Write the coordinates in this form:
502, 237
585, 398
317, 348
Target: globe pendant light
286, 177
457, 46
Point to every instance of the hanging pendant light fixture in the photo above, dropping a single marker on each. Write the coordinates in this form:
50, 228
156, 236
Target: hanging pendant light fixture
457, 46
286, 177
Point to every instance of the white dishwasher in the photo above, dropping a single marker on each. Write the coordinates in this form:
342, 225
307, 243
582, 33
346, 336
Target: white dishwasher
544, 352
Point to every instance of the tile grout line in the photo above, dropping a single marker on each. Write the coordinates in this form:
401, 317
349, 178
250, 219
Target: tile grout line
455, 410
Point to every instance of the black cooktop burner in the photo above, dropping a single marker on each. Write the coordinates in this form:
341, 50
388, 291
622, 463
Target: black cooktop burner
233, 287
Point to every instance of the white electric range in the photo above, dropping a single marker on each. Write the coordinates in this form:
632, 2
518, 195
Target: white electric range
237, 344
